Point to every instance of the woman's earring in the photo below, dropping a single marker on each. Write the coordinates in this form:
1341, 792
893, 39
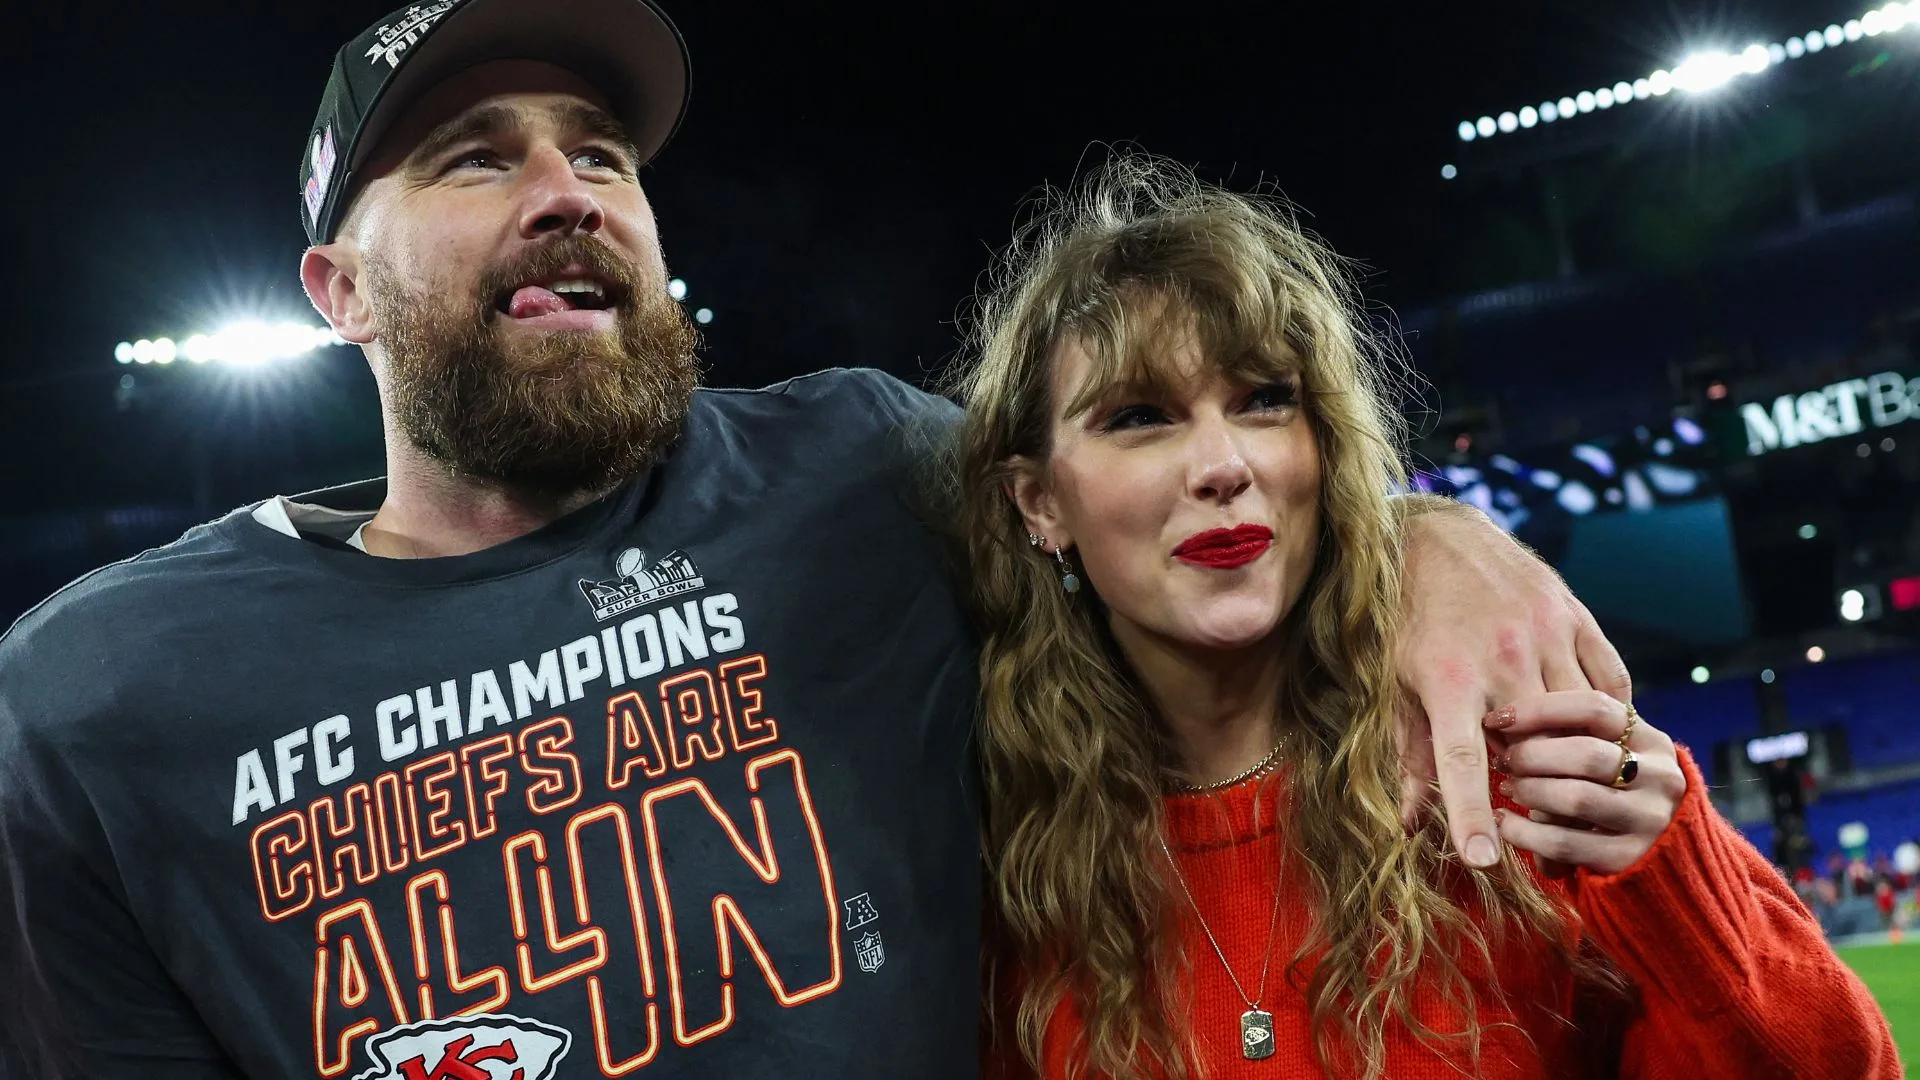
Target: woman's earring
1068, 580
1037, 541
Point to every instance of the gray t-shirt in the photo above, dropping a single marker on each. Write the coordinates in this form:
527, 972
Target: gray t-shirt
676, 786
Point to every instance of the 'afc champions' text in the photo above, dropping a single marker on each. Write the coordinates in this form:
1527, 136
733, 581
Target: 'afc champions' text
614, 846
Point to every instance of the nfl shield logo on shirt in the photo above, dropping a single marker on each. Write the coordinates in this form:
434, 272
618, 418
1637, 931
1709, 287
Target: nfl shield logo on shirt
870, 952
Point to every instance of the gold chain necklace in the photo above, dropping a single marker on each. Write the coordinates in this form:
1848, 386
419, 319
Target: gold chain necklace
1260, 768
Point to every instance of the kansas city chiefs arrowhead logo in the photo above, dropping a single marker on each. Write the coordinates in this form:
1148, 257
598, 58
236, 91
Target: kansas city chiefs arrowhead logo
487, 1047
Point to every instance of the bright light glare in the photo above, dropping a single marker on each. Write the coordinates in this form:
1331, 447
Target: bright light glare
1584, 101
1603, 97
1567, 107
1706, 71
1816, 41
1529, 116
677, 289
1467, 134
1448, 172
1816, 654
1853, 605
1701, 674
1854, 31
1660, 82
1623, 91
703, 316
1549, 112
1835, 35
1508, 122
242, 344
1642, 89
1754, 59
1485, 127
1796, 48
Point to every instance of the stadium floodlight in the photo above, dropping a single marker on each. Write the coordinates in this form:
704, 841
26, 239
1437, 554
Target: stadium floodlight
1448, 172
677, 289
242, 344
703, 316
1529, 116
1705, 72
1815, 654
1701, 674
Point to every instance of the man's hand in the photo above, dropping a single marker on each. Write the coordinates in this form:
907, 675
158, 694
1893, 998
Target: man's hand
1486, 623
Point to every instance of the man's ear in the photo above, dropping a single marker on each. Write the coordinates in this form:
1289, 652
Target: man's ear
330, 273
1030, 493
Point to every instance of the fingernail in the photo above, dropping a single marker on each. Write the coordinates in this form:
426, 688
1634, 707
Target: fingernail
1502, 717
1500, 763
1481, 852
1506, 788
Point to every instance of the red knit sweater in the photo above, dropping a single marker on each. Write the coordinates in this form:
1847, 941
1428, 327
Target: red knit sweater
1731, 975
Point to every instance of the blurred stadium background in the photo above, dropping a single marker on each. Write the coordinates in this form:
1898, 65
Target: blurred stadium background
1681, 360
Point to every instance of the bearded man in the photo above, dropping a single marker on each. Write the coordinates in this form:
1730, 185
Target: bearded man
621, 725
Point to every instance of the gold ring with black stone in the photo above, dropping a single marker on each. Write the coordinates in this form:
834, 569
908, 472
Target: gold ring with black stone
1629, 768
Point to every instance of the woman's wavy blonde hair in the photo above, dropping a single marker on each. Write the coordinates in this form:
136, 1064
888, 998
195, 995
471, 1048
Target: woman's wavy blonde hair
1074, 756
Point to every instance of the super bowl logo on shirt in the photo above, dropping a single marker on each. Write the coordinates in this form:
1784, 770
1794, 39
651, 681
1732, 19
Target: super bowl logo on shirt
639, 585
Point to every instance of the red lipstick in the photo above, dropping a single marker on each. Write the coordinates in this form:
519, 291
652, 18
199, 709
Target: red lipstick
1224, 549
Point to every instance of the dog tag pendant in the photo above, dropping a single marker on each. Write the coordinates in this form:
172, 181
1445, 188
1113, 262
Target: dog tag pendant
1256, 1034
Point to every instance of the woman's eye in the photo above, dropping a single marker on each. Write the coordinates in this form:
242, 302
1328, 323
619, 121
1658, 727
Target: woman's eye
1132, 416
1274, 396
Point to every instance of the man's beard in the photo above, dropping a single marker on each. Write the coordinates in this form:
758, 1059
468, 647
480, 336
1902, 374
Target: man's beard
554, 414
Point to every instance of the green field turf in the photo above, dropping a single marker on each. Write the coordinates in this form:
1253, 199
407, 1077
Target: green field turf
1892, 972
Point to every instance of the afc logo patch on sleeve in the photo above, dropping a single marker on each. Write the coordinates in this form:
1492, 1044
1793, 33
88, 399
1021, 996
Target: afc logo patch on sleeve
485, 1047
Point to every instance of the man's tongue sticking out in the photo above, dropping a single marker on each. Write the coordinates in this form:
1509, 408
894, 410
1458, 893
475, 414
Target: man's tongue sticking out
532, 300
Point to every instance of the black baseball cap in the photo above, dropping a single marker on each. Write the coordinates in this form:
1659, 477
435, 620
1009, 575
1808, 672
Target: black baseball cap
627, 49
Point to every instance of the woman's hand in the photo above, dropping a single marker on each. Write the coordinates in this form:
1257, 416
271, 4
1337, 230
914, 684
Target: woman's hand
1563, 756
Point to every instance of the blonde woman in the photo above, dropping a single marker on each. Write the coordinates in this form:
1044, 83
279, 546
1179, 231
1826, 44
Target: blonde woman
1174, 479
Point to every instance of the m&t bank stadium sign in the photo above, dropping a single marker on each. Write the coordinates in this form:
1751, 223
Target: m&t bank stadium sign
1845, 408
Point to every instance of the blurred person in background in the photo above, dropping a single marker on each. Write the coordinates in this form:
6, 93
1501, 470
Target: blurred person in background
304, 791
1173, 485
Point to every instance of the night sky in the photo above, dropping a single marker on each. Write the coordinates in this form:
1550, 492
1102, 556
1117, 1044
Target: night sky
843, 174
